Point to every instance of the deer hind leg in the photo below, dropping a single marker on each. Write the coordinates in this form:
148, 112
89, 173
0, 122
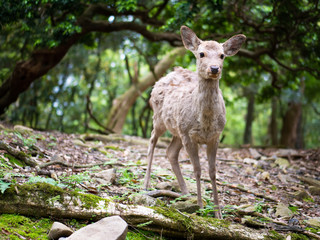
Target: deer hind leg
211, 152
173, 154
156, 133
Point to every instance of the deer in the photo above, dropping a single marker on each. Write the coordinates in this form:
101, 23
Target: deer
190, 106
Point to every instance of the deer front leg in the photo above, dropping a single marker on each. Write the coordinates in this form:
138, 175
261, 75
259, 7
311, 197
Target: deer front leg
211, 153
173, 154
192, 149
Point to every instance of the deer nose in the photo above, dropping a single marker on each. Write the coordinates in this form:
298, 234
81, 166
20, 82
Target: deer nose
214, 69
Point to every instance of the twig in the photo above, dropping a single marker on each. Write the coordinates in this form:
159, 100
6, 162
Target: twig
59, 162
242, 189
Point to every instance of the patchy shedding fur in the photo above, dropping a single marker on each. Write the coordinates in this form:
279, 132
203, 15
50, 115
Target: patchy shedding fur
190, 105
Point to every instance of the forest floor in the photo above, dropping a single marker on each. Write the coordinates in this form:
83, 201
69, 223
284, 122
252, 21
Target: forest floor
271, 183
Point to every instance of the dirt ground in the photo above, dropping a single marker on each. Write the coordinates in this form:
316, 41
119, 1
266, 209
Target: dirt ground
277, 183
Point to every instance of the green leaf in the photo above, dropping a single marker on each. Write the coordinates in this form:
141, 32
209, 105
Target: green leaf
4, 186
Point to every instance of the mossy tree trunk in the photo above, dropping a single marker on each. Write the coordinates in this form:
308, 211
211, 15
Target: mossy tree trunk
43, 200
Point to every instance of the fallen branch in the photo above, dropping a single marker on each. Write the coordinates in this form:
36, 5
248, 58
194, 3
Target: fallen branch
44, 200
18, 154
166, 193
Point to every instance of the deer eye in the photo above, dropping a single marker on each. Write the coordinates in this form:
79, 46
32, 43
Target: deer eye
201, 54
222, 56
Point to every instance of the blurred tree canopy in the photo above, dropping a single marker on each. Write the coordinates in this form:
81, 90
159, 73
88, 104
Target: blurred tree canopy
63, 62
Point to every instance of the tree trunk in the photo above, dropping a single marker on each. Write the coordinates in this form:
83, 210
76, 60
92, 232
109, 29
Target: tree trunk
290, 124
247, 137
123, 103
41, 61
45, 200
273, 127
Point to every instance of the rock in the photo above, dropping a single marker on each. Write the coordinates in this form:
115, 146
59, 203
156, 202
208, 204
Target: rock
105, 177
283, 211
187, 206
142, 199
250, 161
265, 176
59, 230
109, 228
314, 222
164, 186
22, 129
254, 153
300, 195
282, 163
314, 190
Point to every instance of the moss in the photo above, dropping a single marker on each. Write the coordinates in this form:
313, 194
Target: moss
51, 194
91, 201
177, 216
296, 236
189, 220
15, 226
273, 235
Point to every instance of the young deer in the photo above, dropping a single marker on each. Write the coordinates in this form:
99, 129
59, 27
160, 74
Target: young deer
190, 105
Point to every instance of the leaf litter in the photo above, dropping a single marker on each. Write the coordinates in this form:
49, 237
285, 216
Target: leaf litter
282, 185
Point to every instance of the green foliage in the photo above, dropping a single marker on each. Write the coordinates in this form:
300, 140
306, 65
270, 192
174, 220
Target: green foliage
29, 142
208, 210
73, 180
96, 66
39, 179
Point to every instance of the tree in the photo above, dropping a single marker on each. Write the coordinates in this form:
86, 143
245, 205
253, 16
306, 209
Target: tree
282, 37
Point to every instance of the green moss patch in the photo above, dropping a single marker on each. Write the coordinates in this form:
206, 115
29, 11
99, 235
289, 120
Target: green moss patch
16, 227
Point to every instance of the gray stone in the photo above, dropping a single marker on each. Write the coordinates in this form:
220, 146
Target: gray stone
187, 206
109, 228
142, 199
283, 211
59, 230
254, 153
105, 177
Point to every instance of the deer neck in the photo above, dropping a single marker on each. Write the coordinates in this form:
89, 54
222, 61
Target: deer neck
208, 101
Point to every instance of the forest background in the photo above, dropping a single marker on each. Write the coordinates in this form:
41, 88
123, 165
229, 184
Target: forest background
89, 66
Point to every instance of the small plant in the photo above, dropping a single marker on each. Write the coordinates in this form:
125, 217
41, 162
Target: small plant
209, 210
73, 180
4, 186
29, 142
294, 209
126, 176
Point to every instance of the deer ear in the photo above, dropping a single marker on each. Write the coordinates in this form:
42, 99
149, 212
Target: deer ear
233, 44
189, 39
